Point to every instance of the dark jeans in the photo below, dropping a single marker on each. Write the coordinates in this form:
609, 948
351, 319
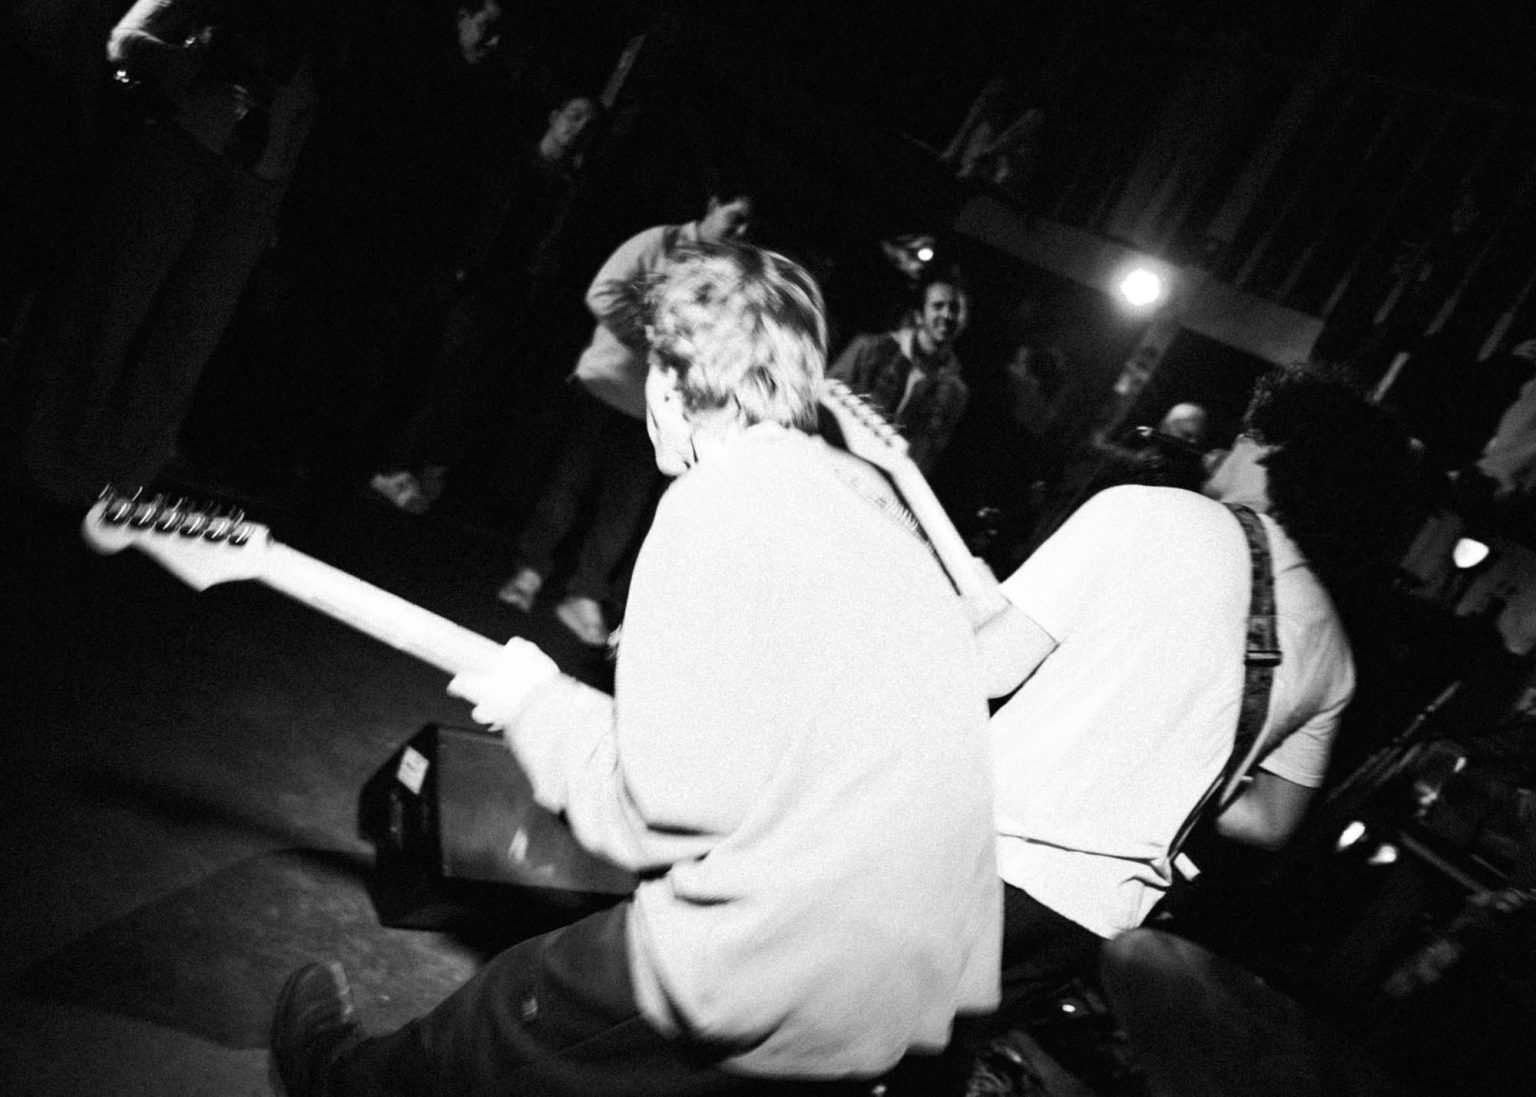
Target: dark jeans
120, 341
1042, 952
550, 1017
607, 451
465, 394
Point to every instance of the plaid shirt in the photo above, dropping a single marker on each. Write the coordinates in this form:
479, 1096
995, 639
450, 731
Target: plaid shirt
879, 367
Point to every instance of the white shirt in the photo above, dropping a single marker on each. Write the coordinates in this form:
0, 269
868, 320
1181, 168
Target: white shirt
1106, 748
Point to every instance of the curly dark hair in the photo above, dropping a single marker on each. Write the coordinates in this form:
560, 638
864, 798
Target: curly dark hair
1341, 475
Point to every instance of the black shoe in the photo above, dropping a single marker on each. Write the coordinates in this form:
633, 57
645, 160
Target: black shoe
313, 1023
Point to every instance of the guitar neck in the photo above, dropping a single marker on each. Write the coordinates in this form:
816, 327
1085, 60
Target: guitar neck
866, 433
965, 572
380, 614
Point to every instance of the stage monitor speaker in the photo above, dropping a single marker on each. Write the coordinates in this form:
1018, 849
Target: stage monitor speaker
458, 839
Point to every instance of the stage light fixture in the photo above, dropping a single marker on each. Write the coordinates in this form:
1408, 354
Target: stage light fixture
1469, 552
1142, 287
1351, 834
1385, 854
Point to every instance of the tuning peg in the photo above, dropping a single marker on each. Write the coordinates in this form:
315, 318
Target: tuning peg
117, 510
172, 514
195, 523
145, 511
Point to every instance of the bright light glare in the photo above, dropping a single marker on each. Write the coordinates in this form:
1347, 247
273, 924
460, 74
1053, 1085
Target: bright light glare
924, 255
1142, 287
1468, 553
1351, 834
1386, 854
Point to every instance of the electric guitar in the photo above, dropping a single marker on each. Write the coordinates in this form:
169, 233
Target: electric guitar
866, 434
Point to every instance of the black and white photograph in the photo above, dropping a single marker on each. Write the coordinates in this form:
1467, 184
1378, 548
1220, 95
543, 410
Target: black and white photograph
663, 548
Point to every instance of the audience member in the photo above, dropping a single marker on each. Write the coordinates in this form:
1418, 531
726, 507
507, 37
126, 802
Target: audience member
794, 764
912, 374
1006, 455
1509, 456
605, 447
489, 287
1124, 637
179, 218
422, 125
1186, 422
1172, 454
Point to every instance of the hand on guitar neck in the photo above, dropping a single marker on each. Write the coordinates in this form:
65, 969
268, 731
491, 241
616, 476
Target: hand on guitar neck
499, 692
203, 547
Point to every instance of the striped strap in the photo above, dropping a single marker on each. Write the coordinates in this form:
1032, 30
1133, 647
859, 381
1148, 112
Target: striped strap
1260, 657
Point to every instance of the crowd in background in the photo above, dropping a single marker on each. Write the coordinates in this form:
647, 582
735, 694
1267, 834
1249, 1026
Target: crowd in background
357, 247
363, 246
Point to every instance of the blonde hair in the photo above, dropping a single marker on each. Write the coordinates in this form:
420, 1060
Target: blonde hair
739, 324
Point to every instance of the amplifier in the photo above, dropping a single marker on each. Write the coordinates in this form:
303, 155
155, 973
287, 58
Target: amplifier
459, 840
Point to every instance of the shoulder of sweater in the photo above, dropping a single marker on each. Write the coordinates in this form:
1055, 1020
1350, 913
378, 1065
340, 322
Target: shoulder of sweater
759, 466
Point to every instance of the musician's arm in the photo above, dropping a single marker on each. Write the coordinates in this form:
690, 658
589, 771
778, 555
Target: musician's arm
562, 733
1269, 808
566, 739
1011, 644
1267, 812
611, 298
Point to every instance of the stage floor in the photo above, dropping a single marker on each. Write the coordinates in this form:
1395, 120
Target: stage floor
182, 772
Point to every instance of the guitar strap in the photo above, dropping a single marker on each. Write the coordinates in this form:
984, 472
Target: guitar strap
1261, 656
871, 485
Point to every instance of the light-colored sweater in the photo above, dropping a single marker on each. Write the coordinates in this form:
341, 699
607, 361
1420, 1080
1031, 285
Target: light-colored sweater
613, 366
796, 762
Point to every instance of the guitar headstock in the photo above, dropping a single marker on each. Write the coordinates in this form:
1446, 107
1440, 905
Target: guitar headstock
865, 432
199, 545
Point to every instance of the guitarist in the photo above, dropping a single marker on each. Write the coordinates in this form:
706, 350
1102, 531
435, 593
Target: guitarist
1121, 640
794, 764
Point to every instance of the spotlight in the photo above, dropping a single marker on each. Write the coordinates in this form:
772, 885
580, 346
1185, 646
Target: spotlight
1386, 854
910, 252
1142, 287
1351, 834
1468, 553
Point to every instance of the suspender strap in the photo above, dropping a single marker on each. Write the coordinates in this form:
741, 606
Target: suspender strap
1261, 656
1263, 651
